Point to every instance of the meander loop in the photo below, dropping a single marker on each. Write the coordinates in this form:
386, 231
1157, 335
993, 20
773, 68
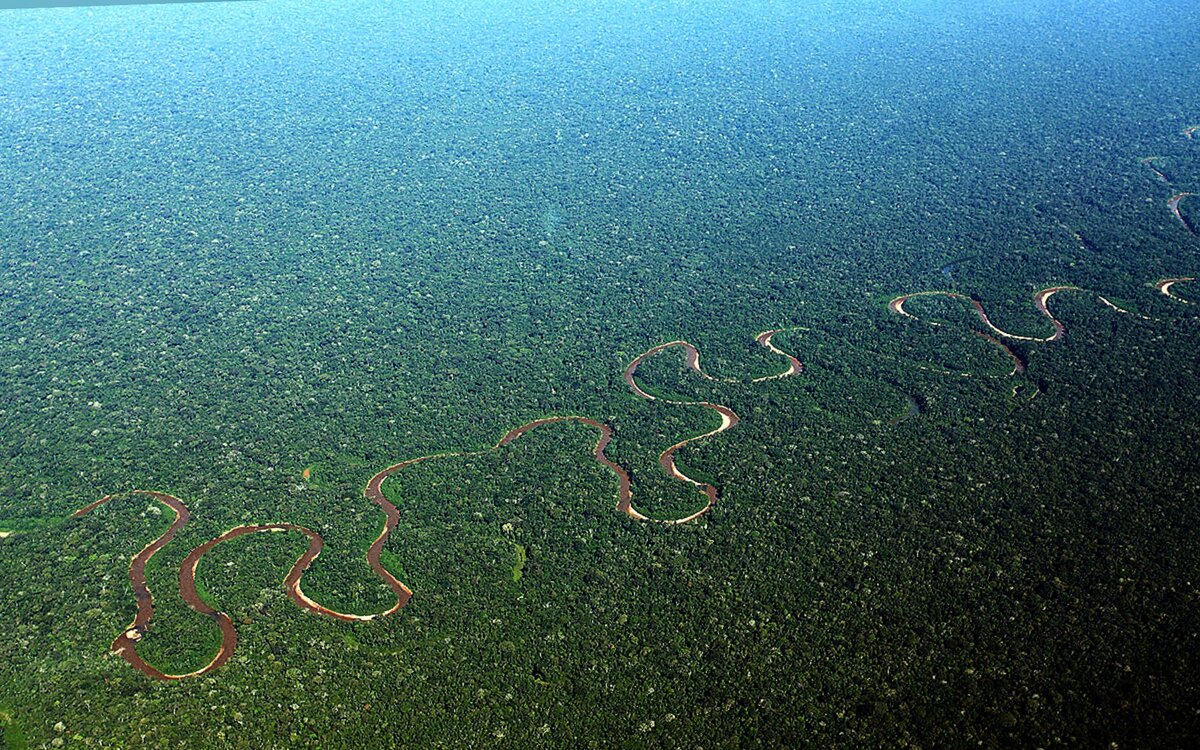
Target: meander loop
125, 644
1041, 300
1164, 287
729, 419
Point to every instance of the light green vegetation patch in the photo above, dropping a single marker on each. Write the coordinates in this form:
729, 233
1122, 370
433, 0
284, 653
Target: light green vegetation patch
391, 562
519, 567
413, 227
10, 731
204, 594
12, 526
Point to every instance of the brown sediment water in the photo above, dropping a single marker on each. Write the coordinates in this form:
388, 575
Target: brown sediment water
1018, 363
691, 358
374, 489
897, 306
795, 366
729, 419
125, 644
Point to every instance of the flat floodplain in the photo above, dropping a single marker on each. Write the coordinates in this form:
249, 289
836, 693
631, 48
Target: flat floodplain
599, 374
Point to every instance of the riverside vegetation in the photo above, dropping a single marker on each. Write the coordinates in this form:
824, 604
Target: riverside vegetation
252, 276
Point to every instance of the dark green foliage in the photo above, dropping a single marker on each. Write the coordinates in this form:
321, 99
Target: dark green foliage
256, 242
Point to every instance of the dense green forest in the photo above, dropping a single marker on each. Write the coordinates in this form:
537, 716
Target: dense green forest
253, 253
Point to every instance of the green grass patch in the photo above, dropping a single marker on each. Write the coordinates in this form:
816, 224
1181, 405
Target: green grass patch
519, 567
22, 525
11, 734
391, 563
698, 474
318, 475
204, 594
1124, 304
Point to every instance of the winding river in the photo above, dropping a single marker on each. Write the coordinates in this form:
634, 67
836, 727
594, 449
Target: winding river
125, 644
